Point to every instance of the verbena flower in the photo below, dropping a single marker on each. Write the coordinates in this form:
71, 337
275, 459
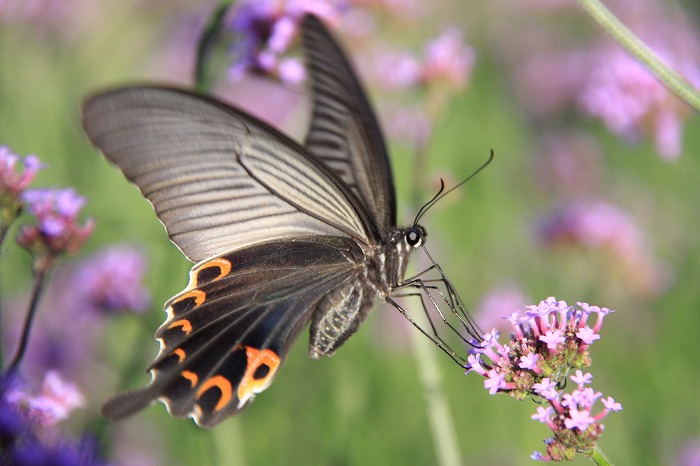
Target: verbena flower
54, 403
57, 229
111, 280
600, 225
265, 31
491, 307
448, 59
549, 341
632, 102
556, 72
13, 182
24, 440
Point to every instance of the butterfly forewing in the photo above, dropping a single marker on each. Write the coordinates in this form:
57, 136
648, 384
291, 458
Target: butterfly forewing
218, 179
344, 132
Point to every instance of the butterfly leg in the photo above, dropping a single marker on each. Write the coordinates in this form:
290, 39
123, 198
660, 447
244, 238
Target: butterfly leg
435, 338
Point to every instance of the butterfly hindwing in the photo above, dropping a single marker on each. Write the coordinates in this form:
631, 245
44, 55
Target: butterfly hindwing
228, 332
217, 177
344, 132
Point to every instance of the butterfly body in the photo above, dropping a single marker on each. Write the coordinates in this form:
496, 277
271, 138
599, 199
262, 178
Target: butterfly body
282, 234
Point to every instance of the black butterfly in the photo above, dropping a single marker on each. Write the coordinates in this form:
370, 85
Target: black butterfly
282, 234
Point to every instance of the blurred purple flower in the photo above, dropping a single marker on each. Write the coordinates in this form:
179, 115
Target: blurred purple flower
396, 69
500, 300
265, 31
603, 226
554, 74
70, 319
575, 427
57, 229
448, 59
111, 280
631, 101
12, 181
689, 455
25, 442
568, 164
410, 127
57, 399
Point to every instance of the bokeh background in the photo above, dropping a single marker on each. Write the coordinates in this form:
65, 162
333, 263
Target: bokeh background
594, 196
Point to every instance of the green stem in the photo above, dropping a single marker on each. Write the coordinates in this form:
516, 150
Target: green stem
599, 458
39, 281
202, 78
439, 416
626, 38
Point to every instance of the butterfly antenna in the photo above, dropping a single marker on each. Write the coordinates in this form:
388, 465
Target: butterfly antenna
429, 204
440, 194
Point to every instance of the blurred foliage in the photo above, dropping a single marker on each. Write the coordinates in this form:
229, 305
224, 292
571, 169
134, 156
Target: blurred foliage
365, 405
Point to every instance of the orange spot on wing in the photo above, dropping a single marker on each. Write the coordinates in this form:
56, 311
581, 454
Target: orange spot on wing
184, 323
180, 354
191, 376
249, 385
222, 383
198, 295
223, 265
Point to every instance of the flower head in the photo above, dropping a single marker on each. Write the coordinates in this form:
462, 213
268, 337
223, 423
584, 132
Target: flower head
57, 229
111, 280
22, 433
602, 226
13, 182
57, 399
548, 342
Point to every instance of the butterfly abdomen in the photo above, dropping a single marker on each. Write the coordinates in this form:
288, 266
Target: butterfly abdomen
339, 314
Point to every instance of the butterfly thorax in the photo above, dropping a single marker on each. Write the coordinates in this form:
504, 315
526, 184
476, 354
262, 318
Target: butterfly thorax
339, 313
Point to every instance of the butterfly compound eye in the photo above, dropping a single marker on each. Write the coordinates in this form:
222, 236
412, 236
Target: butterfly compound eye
415, 236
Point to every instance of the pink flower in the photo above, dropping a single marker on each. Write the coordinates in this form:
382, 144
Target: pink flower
524, 368
111, 280
57, 399
578, 419
57, 229
448, 59
12, 181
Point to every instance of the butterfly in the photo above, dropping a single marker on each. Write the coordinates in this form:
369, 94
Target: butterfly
282, 234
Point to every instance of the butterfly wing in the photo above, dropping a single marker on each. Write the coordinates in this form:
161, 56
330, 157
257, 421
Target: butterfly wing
218, 178
344, 132
230, 329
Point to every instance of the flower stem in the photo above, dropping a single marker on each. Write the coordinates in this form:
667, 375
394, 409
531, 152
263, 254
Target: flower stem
626, 38
439, 415
39, 281
599, 457
203, 77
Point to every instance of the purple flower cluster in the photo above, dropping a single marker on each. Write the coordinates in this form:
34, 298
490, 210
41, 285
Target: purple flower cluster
554, 74
631, 101
26, 441
446, 59
266, 30
13, 182
111, 280
600, 225
57, 229
549, 340
57, 399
